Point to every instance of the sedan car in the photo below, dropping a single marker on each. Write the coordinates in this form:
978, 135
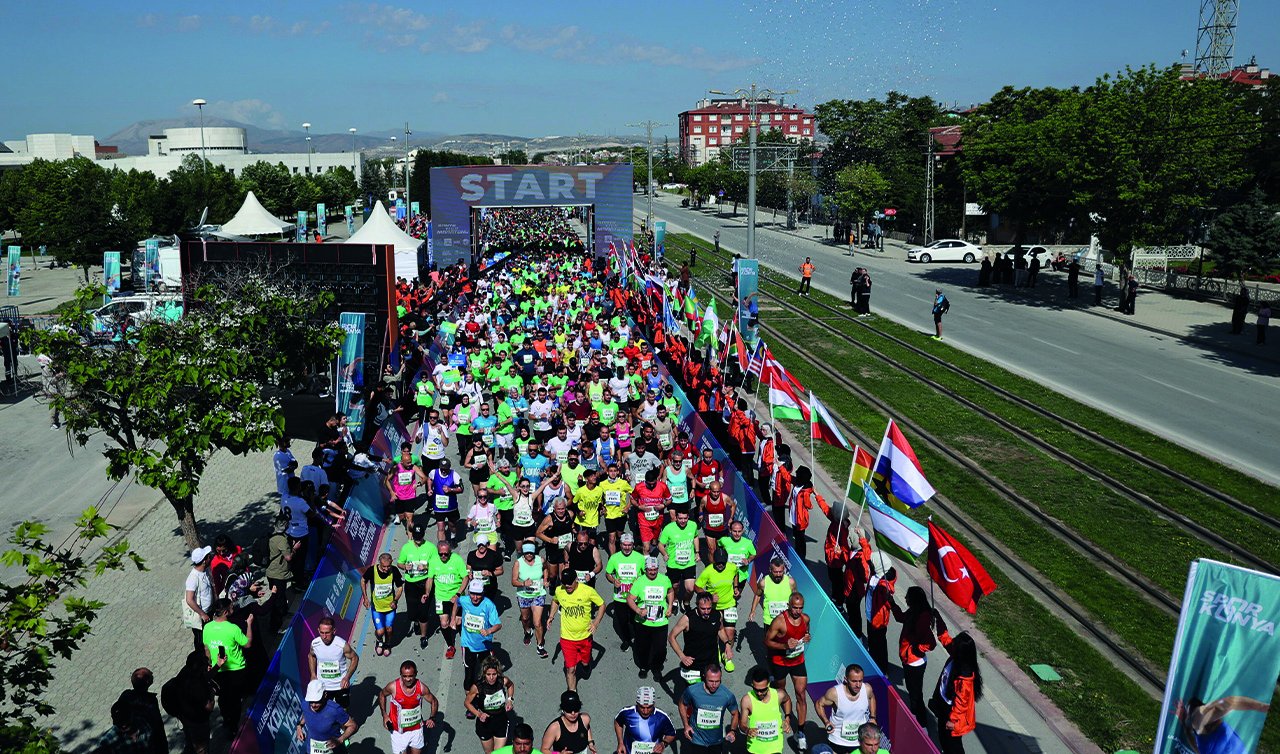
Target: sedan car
945, 250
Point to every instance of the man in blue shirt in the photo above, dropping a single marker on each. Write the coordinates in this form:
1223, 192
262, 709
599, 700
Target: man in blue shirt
484, 425
478, 618
703, 709
644, 728
533, 463
323, 722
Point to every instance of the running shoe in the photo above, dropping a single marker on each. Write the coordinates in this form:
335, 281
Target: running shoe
729, 666
449, 653
528, 637
423, 643
542, 652
801, 743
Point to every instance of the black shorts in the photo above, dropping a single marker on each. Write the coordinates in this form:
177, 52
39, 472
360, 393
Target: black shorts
478, 476
495, 727
341, 697
779, 673
615, 525
681, 574
413, 594
937, 316
554, 555
523, 532
408, 506
447, 516
429, 464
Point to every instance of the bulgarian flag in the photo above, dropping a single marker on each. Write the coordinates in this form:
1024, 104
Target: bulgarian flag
784, 393
710, 325
823, 427
896, 534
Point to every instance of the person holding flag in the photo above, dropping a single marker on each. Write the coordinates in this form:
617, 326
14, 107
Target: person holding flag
914, 645
958, 691
799, 503
880, 606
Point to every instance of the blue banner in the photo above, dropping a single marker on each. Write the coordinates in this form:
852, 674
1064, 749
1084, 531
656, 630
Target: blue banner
1226, 659
659, 237
748, 284
14, 269
350, 393
400, 209
302, 225
151, 265
322, 222
110, 275
413, 208
350, 213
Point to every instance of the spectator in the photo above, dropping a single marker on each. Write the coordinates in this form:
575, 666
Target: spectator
146, 707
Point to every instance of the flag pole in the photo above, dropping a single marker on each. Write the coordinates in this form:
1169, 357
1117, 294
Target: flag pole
813, 459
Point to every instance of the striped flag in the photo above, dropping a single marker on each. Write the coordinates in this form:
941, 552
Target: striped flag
707, 332
785, 393
896, 534
898, 475
758, 358
823, 427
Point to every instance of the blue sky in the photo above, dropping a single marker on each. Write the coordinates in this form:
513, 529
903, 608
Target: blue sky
544, 68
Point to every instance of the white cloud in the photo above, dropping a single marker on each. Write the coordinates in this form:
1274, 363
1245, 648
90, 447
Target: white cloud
561, 39
389, 17
189, 23
252, 111
470, 38
147, 20
440, 97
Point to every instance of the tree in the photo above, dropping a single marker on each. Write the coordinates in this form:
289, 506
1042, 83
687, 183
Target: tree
170, 393
375, 181
1246, 238
514, 157
306, 194
66, 205
337, 187
273, 185
860, 189
43, 618
192, 188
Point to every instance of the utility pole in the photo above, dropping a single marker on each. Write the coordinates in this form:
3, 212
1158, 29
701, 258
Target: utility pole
408, 208
648, 126
753, 96
928, 188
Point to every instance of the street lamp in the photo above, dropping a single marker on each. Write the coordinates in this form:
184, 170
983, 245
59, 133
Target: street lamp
307, 127
199, 103
754, 96
648, 126
408, 208
354, 158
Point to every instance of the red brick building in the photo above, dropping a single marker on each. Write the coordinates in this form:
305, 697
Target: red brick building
717, 123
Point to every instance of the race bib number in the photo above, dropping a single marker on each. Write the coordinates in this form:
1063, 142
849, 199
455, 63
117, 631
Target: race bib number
320, 747
684, 556
328, 670
796, 651
522, 517
643, 747
439, 607
653, 594
849, 730
494, 701
737, 560
382, 591
473, 623
404, 478
690, 675
562, 457
442, 502
707, 480
651, 514
767, 730
679, 494
776, 609
665, 441
627, 571
583, 575
731, 615
434, 447
708, 718
409, 717
488, 439
715, 520
564, 540
485, 525
613, 497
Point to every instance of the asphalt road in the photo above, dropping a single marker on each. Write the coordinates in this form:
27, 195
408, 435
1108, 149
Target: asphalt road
1213, 402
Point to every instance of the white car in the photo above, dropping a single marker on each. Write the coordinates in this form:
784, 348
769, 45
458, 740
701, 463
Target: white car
945, 250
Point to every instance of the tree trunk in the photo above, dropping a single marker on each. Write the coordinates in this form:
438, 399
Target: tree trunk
186, 520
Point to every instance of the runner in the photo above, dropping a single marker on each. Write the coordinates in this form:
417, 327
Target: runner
676, 475
326, 727
434, 438
332, 662
477, 616
484, 565
785, 641
617, 503
415, 561
571, 731
643, 729
623, 568
702, 710
224, 645
403, 483
722, 582
772, 591
489, 701
483, 517
650, 599
501, 482
676, 543
764, 715
584, 558
718, 510
478, 461
381, 588
401, 704
587, 502
651, 498
444, 581
530, 577
520, 525
521, 741
703, 631
445, 485
855, 705
583, 610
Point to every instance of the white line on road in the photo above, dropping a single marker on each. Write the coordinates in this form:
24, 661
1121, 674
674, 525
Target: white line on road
1008, 717
1180, 390
1051, 344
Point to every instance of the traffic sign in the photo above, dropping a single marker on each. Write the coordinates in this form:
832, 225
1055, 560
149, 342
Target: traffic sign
890, 212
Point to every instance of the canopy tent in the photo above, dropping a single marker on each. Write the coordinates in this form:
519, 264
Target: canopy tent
381, 229
254, 220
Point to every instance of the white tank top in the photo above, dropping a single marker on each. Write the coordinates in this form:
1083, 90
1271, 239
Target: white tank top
331, 662
850, 714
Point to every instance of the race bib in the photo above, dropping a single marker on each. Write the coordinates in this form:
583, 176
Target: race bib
767, 730
439, 607
434, 447
409, 717
654, 594
328, 670
382, 591
320, 747
737, 560
612, 497
776, 609
795, 651
651, 514
707, 480
849, 730
442, 502
404, 478
708, 718
715, 520
488, 438
485, 525
522, 517
690, 675
731, 615
665, 441
564, 540
643, 747
494, 701
684, 556
627, 571
473, 623
583, 576
562, 457
679, 494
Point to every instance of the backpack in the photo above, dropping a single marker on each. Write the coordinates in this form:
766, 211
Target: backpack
171, 698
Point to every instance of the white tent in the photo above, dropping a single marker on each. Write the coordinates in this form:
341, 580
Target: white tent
381, 229
254, 220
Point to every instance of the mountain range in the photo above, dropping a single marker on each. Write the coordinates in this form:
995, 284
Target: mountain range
132, 139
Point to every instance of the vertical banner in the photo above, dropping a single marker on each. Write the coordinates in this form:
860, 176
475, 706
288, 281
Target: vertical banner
1226, 659
431, 245
110, 274
151, 265
348, 396
659, 237
748, 283
322, 222
413, 208
302, 225
400, 209
350, 213
14, 269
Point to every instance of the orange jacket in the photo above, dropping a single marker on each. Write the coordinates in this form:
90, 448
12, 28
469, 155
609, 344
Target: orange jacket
781, 486
882, 604
963, 716
802, 503
766, 457
917, 638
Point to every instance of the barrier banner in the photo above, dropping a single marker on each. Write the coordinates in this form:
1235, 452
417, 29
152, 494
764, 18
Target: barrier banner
349, 397
302, 225
322, 222
748, 284
151, 264
659, 237
413, 208
14, 269
335, 592
110, 274
350, 213
1226, 659
826, 624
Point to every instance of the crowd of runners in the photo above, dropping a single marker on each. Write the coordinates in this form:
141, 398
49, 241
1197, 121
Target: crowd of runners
549, 479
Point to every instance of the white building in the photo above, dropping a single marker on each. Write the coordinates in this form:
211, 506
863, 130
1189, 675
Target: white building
222, 146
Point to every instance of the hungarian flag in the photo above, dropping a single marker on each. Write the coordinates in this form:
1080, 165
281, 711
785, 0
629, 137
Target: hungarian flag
784, 393
957, 571
898, 476
895, 533
823, 427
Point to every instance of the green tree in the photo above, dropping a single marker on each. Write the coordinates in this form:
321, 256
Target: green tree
860, 189
194, 186
375, 181
273, 185
514, 157
306, 194
172, 392
67, 206
1246, 238
337, 187
44, 618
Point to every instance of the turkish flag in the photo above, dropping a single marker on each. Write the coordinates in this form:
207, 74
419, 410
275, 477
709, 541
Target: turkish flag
956, 570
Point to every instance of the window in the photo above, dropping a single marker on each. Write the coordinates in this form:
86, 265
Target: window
794, 116
697, 129
739, 116
697, 118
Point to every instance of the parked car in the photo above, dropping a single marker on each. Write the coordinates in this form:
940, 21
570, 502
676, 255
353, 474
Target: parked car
107, 319
945, 250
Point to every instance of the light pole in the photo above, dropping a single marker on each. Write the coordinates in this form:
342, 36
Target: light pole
307, 127
648, 126
753, 96
408, 208
199, 103
354, 158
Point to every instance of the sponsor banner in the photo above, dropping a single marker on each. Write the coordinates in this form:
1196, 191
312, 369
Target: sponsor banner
349, 397
334, 592
302, 225
13, 267
110, 274
413, 208
1226, 659
350, 213
748, 283
322, 222
659, 237
151, 264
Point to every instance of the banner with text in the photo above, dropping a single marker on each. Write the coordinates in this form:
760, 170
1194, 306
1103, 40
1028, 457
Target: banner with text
151, 264
350, 213
14, 269
110, 274
302, 225
748, 286
322, 220
349, 396
1226, 659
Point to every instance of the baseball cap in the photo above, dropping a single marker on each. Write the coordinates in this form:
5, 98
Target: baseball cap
528, 547
650, 562
315, 691
476, 587
200, 553
569, 702
626, 537
644, 695
419, 531
721, 556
